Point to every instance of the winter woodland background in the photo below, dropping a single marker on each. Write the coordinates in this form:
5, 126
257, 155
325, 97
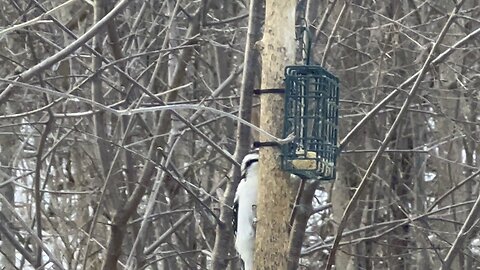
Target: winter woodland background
91, 175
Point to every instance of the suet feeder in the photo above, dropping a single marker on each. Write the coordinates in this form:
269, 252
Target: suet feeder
311, 115
311, 118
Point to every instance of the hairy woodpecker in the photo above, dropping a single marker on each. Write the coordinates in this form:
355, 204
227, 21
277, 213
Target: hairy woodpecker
245, 203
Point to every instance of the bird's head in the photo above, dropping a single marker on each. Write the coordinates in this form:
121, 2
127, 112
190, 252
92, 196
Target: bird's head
250, 159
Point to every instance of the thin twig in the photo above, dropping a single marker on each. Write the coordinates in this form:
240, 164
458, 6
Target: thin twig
171, 230
462, 235
456, 187
325, 17
37, 193
334, 30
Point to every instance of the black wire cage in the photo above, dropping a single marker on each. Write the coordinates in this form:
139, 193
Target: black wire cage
311, 115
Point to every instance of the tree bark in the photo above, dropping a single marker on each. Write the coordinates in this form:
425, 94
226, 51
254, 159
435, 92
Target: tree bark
275, 193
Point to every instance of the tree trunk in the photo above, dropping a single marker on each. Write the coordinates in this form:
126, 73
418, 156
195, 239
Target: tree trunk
275, 193
223, 234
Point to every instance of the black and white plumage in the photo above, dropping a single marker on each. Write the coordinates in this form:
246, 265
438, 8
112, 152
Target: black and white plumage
244, 210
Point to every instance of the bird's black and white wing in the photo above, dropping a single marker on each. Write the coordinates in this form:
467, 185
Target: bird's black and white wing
235, 213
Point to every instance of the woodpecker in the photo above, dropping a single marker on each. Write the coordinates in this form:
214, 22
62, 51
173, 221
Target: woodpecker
245, 203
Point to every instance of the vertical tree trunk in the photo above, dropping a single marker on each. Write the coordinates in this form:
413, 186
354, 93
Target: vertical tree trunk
223, 234
275, 193
299, 226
